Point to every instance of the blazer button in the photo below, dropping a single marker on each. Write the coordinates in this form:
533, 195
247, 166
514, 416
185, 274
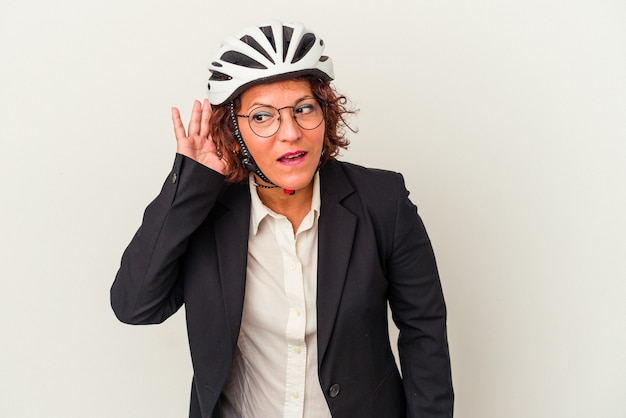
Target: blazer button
174, 178
334, 390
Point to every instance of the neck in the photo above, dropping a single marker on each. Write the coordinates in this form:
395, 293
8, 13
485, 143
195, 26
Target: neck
294, 207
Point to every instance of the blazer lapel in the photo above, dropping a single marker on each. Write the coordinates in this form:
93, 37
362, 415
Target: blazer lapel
231, 234
336, 234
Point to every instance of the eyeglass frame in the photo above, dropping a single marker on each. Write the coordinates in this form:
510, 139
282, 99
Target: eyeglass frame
293, 115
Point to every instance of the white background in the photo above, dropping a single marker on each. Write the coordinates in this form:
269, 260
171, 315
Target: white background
507, 119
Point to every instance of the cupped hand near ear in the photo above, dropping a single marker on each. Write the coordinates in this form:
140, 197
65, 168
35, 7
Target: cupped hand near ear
196, 143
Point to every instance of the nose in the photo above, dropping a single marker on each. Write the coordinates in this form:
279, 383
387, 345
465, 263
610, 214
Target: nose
288, 130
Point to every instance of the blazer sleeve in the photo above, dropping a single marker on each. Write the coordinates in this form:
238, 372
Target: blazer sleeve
419, 311
147, 288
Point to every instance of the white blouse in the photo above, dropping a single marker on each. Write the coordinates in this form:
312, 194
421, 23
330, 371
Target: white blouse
274, 372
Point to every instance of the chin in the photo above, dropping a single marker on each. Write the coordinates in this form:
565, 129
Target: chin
297, 182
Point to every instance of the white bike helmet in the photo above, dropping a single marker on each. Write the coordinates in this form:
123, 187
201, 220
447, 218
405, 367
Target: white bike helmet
267, 53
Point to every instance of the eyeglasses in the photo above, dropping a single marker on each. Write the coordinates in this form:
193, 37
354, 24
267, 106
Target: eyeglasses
265, 120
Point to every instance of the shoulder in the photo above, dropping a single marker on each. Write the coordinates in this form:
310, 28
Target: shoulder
374, 190
359, 173
377, 197
371, 182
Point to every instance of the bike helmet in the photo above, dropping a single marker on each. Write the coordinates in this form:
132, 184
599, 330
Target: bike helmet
266, 53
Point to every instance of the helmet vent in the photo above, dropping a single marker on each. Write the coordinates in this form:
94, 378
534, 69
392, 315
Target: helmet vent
249, 40
237, 58
305, 45
217, 76
267, 31
287, 33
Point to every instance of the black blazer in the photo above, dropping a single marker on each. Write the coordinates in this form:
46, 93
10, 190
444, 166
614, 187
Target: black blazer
192, 248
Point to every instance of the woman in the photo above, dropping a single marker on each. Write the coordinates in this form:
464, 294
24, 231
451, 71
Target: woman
284, 257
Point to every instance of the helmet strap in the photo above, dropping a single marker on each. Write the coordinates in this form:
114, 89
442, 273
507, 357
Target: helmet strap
246, 158
263, 186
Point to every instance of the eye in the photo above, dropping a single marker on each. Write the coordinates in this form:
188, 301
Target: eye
305, 109
263, 115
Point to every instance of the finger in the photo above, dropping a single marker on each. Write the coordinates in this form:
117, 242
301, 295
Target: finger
206, 116
194, 121
179, 129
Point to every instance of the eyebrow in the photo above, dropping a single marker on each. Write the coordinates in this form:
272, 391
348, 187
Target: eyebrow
254, 105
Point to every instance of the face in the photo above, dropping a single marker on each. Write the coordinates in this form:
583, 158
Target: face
289, 158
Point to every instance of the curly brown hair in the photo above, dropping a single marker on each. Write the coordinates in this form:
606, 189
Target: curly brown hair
335, 112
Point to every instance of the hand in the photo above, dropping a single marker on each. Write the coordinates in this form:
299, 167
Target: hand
196, 143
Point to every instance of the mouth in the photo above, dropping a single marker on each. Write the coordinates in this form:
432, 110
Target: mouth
292, 158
